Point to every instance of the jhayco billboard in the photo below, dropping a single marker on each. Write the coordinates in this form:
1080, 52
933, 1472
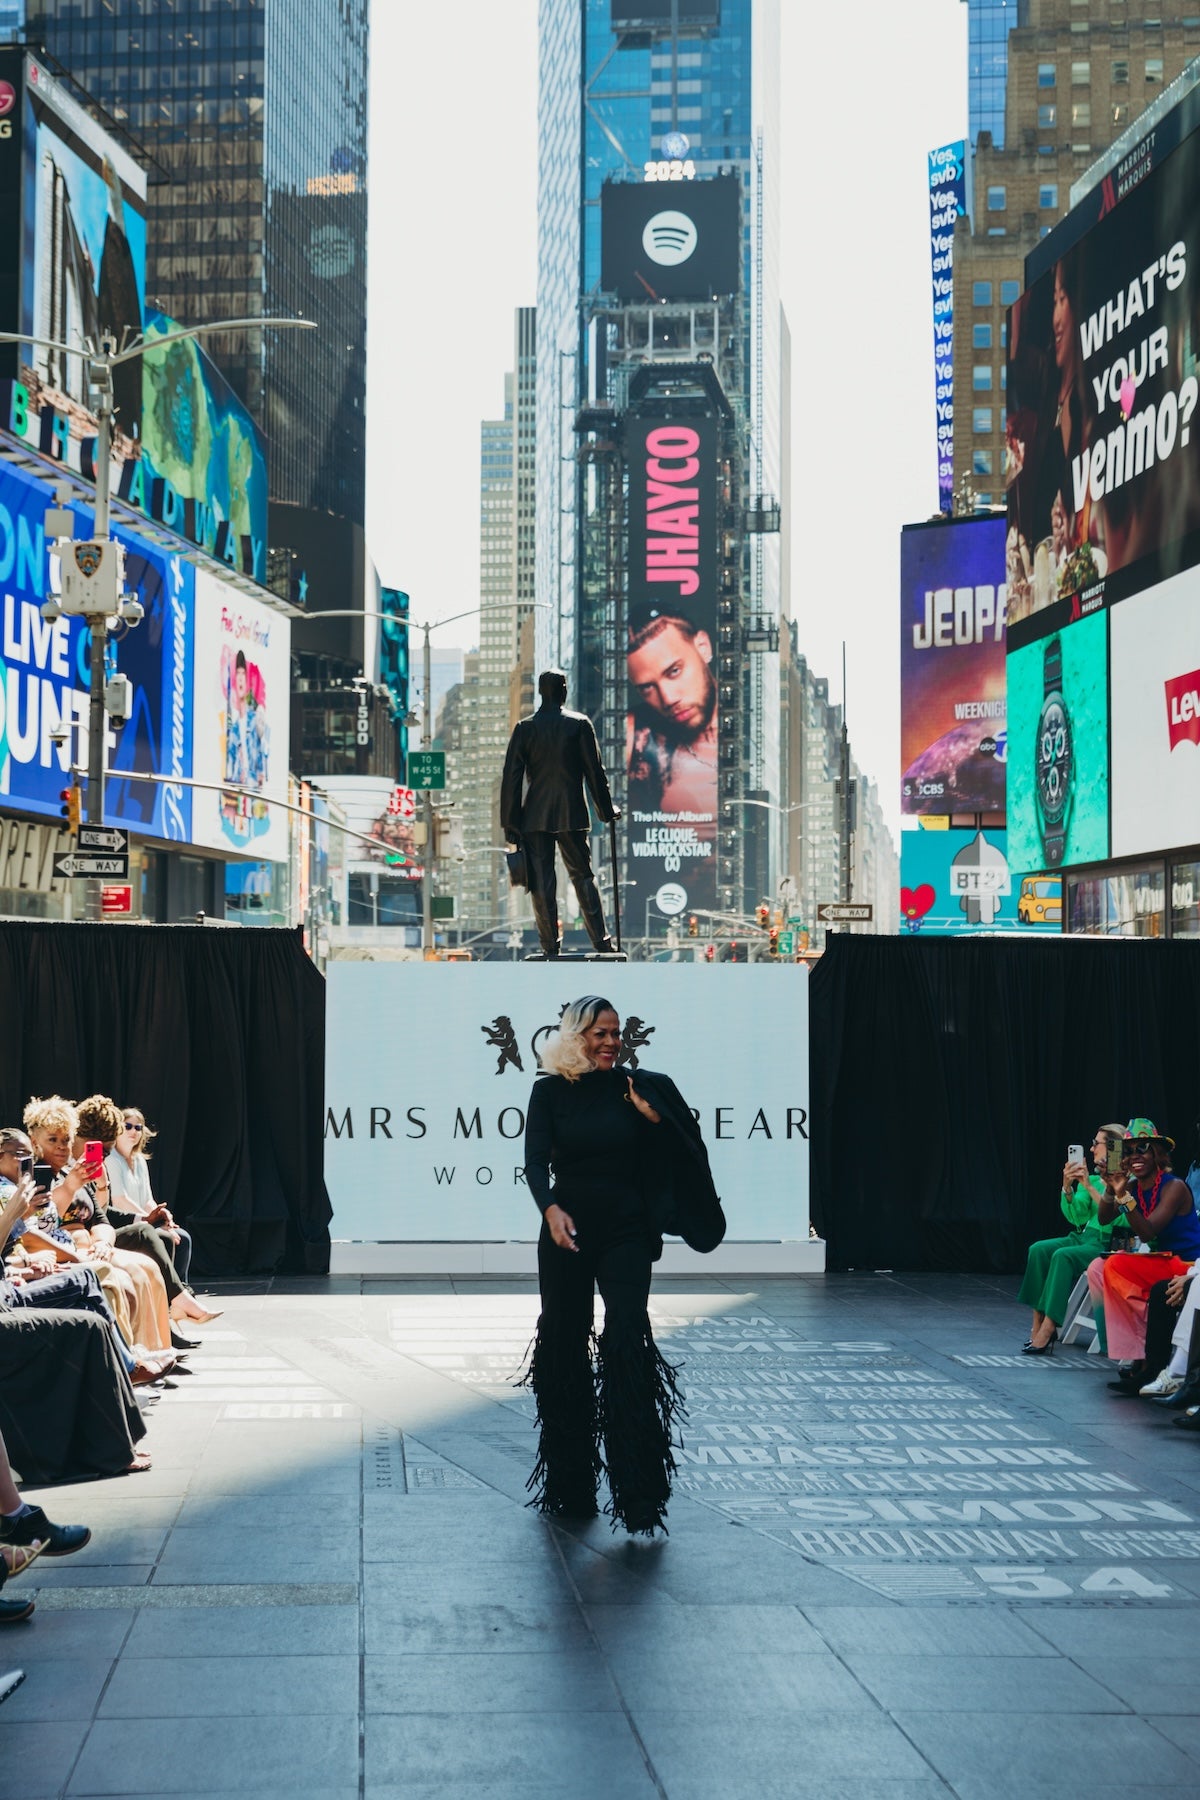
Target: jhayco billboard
44, 675
953, 717
73, 213
671, 730
947, 204
1101, 397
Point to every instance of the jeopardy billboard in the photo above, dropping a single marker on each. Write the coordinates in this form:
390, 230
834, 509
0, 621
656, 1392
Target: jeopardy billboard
953, 715
671, 729
679, 242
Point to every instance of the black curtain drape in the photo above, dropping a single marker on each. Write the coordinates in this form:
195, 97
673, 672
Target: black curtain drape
219, 1037
949, 1076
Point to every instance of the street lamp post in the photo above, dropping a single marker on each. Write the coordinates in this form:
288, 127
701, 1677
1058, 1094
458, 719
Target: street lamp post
101, 358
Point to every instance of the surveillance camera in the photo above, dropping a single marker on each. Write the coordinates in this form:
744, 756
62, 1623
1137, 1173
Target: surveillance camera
50, 610
132, 611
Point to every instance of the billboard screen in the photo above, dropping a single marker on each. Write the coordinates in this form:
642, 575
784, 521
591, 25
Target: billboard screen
44, 673
683, 243
1155, 646
671, 730
953, 726
959, 881
241, 721
947, 204
73, 262
655, 15
1104, 449
1058, 748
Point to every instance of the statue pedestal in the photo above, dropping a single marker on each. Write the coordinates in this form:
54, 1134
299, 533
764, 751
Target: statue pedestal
587, 956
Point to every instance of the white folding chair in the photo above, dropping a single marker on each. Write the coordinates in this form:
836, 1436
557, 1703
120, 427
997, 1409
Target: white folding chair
1079, 1321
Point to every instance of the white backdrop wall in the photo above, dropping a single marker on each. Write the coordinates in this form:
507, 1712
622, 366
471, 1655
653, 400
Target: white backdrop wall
425, 1115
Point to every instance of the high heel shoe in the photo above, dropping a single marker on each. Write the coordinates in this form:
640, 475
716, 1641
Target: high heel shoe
1046, 1349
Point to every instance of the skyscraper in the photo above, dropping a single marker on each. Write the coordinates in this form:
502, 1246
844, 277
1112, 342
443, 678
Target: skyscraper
1052, 84
253, 118
633, 92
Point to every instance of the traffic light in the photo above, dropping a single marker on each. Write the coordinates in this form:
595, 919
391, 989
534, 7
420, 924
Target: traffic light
693, 926
710, 953
773, 941
71, 808
762, 914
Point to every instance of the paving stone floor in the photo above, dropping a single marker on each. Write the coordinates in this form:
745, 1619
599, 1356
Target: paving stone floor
904, 1562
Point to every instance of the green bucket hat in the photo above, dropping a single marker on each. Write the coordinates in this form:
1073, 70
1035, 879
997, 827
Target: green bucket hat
1146, 1128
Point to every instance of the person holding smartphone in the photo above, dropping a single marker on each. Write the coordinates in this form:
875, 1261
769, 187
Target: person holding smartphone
1161, 1212
1054, 1265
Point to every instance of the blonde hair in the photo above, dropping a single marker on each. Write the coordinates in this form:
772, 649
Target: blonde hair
563, 1053
49, 1114
146, 1136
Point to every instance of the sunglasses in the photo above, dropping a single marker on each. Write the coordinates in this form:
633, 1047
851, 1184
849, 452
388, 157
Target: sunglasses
132, 1125
1139, 1146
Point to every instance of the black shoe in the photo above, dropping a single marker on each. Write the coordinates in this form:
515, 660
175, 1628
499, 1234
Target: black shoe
13, 1611
1129, 1380
179, 1342
1046, 1349
605, 947
58, 1540
1189, 1420
1181, 1399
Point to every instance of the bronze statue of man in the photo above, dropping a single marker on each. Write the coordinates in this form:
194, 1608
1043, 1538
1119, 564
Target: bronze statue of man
552, 757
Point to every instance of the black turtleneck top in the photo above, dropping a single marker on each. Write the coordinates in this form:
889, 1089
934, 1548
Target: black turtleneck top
597, 1144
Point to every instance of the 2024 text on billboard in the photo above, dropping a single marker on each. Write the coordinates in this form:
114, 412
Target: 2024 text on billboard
101, 359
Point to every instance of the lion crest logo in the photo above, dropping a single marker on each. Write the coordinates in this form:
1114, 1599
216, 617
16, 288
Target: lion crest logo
88, 558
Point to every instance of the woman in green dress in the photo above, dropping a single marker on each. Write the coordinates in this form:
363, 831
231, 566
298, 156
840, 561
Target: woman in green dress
1054, 1265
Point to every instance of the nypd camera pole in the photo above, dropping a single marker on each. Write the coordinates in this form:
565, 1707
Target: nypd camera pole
92, 570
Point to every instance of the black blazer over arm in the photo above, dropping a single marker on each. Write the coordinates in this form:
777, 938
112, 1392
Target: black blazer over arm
556, 753
680, 1193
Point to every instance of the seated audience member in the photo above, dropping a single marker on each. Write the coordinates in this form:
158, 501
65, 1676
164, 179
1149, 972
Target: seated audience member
1161, 1212
77, 1198
34, 1278
131, 1199
1173, 1345
67, 1409
22, 1525
1054, 1265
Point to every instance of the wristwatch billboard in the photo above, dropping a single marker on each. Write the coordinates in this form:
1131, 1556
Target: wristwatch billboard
1054, 759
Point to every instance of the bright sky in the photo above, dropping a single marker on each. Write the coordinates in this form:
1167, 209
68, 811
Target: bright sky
866, 92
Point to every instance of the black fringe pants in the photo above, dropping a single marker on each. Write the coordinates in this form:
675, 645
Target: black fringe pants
606, 1405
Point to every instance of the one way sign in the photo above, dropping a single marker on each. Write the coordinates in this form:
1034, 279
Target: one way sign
103, 837
75, 868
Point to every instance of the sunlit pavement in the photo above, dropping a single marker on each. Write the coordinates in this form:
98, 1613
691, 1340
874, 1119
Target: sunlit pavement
904, 1561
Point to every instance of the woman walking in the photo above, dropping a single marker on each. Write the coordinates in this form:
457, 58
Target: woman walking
629, 1163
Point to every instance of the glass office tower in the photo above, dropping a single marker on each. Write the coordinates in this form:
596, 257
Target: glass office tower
988, 25
253, 118
621, 85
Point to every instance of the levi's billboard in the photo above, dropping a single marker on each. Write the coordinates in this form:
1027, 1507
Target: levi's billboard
682, 242
1103, 441
1155, 723
671, 728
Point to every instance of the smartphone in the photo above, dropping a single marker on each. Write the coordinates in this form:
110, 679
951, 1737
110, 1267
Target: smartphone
43, 1176
1116, 1157
24, 1167
1074, 1153
93, 1154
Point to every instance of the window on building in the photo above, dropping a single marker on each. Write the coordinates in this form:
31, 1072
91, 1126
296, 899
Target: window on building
1120, 72
1185, 899
997, 199
997, 231
1004, 335
983, 499
981, 419
1048, 194
981, 337
1081, 113
1047, 75
1154, 71
981, 378
1120, 115
982, 293
1081, 74
1010, 293
981, 462
1047, 117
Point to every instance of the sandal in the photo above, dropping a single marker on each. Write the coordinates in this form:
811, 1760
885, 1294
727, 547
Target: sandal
16, 1558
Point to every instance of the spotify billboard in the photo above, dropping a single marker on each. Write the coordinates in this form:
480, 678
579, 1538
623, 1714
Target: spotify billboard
678, 240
